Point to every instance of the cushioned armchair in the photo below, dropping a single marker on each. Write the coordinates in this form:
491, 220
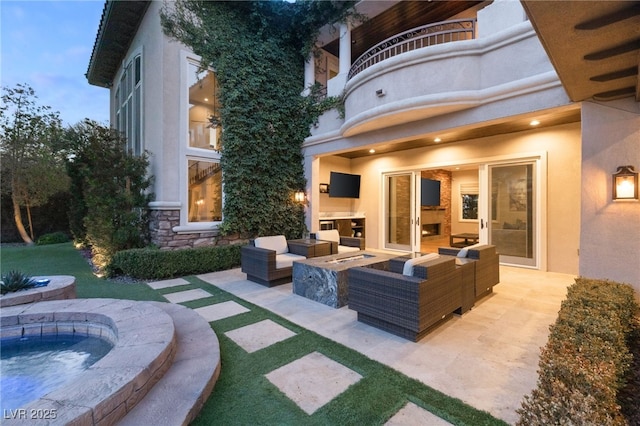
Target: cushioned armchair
486, 264
340, 244
269, 260
406, 305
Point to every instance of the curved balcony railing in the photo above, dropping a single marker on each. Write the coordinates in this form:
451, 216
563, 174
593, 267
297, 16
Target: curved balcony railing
416, 38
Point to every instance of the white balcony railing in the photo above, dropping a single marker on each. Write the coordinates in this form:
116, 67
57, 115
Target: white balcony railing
416, 38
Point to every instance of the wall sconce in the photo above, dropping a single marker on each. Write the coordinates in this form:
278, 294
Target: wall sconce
299, 197
625, 184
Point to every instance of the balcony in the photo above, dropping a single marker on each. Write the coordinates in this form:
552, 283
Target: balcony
416, 38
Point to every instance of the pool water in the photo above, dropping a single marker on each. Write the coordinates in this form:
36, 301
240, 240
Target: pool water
31, 367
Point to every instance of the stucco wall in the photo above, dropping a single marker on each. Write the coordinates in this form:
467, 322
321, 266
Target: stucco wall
610, 231
160, 103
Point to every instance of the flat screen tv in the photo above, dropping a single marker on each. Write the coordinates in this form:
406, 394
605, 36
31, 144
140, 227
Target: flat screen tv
429, 192
344, 185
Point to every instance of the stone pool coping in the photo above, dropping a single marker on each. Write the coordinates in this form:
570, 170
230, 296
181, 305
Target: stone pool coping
60, 287
145, 346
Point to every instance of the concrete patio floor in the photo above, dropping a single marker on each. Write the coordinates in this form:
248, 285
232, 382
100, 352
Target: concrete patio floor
488, 357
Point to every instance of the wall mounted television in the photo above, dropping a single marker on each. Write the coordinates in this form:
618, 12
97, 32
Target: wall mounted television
429, 192
344, 185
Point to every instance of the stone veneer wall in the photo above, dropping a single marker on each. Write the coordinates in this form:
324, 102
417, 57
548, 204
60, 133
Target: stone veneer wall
161, 226
444, 176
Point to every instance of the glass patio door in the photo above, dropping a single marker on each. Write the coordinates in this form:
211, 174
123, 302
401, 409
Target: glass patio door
401, 211
513, 215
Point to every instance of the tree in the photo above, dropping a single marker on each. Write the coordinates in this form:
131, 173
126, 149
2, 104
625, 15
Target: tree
109, 206
32, 164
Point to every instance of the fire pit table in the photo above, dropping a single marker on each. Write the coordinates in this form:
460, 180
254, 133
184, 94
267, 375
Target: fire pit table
324, 279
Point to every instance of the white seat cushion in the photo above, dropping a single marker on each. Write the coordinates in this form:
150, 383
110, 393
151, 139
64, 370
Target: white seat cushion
408, 265
329, 235
277, 243
285, 260
347, 249
463, 252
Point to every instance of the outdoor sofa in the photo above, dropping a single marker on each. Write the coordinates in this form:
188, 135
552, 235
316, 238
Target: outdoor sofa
269, 260
408, 304
340, 244
409, 296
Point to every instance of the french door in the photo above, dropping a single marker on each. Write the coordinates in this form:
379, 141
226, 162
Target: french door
402, 211
510, 204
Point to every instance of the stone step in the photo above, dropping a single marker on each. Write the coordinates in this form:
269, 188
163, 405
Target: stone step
180, 394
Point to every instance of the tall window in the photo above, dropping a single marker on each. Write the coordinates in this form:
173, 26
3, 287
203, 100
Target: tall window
203, 146
129, 105
205, 191
204, 119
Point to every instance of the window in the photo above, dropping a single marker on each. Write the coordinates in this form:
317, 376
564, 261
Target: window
204, 120
129, 105
205, 196
469, 201
205, 191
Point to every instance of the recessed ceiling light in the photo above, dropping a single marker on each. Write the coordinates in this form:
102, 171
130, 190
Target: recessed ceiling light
372, 151
206, 99
534, 123
437, 140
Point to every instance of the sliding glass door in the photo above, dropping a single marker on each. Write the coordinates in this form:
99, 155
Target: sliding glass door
513, 212
401, 216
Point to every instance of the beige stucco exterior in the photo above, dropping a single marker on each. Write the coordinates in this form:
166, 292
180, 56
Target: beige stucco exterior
502, 76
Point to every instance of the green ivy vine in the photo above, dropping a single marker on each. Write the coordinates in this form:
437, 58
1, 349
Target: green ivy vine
258, 50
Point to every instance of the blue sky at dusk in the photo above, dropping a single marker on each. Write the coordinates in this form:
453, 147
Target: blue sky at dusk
48, 44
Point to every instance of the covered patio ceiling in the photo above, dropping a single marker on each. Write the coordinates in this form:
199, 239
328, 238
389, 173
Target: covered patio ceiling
555, 117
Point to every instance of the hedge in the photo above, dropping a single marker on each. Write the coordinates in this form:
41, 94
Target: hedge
156, 264
587, 358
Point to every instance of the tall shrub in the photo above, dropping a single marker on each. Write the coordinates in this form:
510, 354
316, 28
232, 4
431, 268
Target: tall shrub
111, 186
257, 50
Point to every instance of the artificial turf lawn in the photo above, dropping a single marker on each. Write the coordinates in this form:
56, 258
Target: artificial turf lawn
242, 394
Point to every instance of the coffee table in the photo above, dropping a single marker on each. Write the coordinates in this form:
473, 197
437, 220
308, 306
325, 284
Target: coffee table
324, 279
308, 247
468, 237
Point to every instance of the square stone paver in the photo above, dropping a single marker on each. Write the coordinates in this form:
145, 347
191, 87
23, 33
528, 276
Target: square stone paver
221, 310
187, 295
156, 285
412, 415
254, 337
313, 380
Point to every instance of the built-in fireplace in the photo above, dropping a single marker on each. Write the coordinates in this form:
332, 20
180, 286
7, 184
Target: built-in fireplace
430, 229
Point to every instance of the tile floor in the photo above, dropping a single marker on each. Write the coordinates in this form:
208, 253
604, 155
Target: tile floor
488, 357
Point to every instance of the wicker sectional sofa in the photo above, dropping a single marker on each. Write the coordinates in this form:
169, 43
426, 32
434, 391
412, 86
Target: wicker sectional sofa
411, 303
408, 306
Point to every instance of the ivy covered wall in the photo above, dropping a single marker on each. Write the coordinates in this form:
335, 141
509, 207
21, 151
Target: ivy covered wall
258, 50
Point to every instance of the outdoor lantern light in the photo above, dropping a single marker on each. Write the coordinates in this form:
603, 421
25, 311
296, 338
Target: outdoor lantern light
625, 184
299, 196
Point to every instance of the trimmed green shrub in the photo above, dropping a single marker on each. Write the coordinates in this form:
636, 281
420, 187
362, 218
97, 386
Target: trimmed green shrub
156, 264
15, 281
586, 360
53, 238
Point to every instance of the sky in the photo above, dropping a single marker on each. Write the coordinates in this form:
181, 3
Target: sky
48, 45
